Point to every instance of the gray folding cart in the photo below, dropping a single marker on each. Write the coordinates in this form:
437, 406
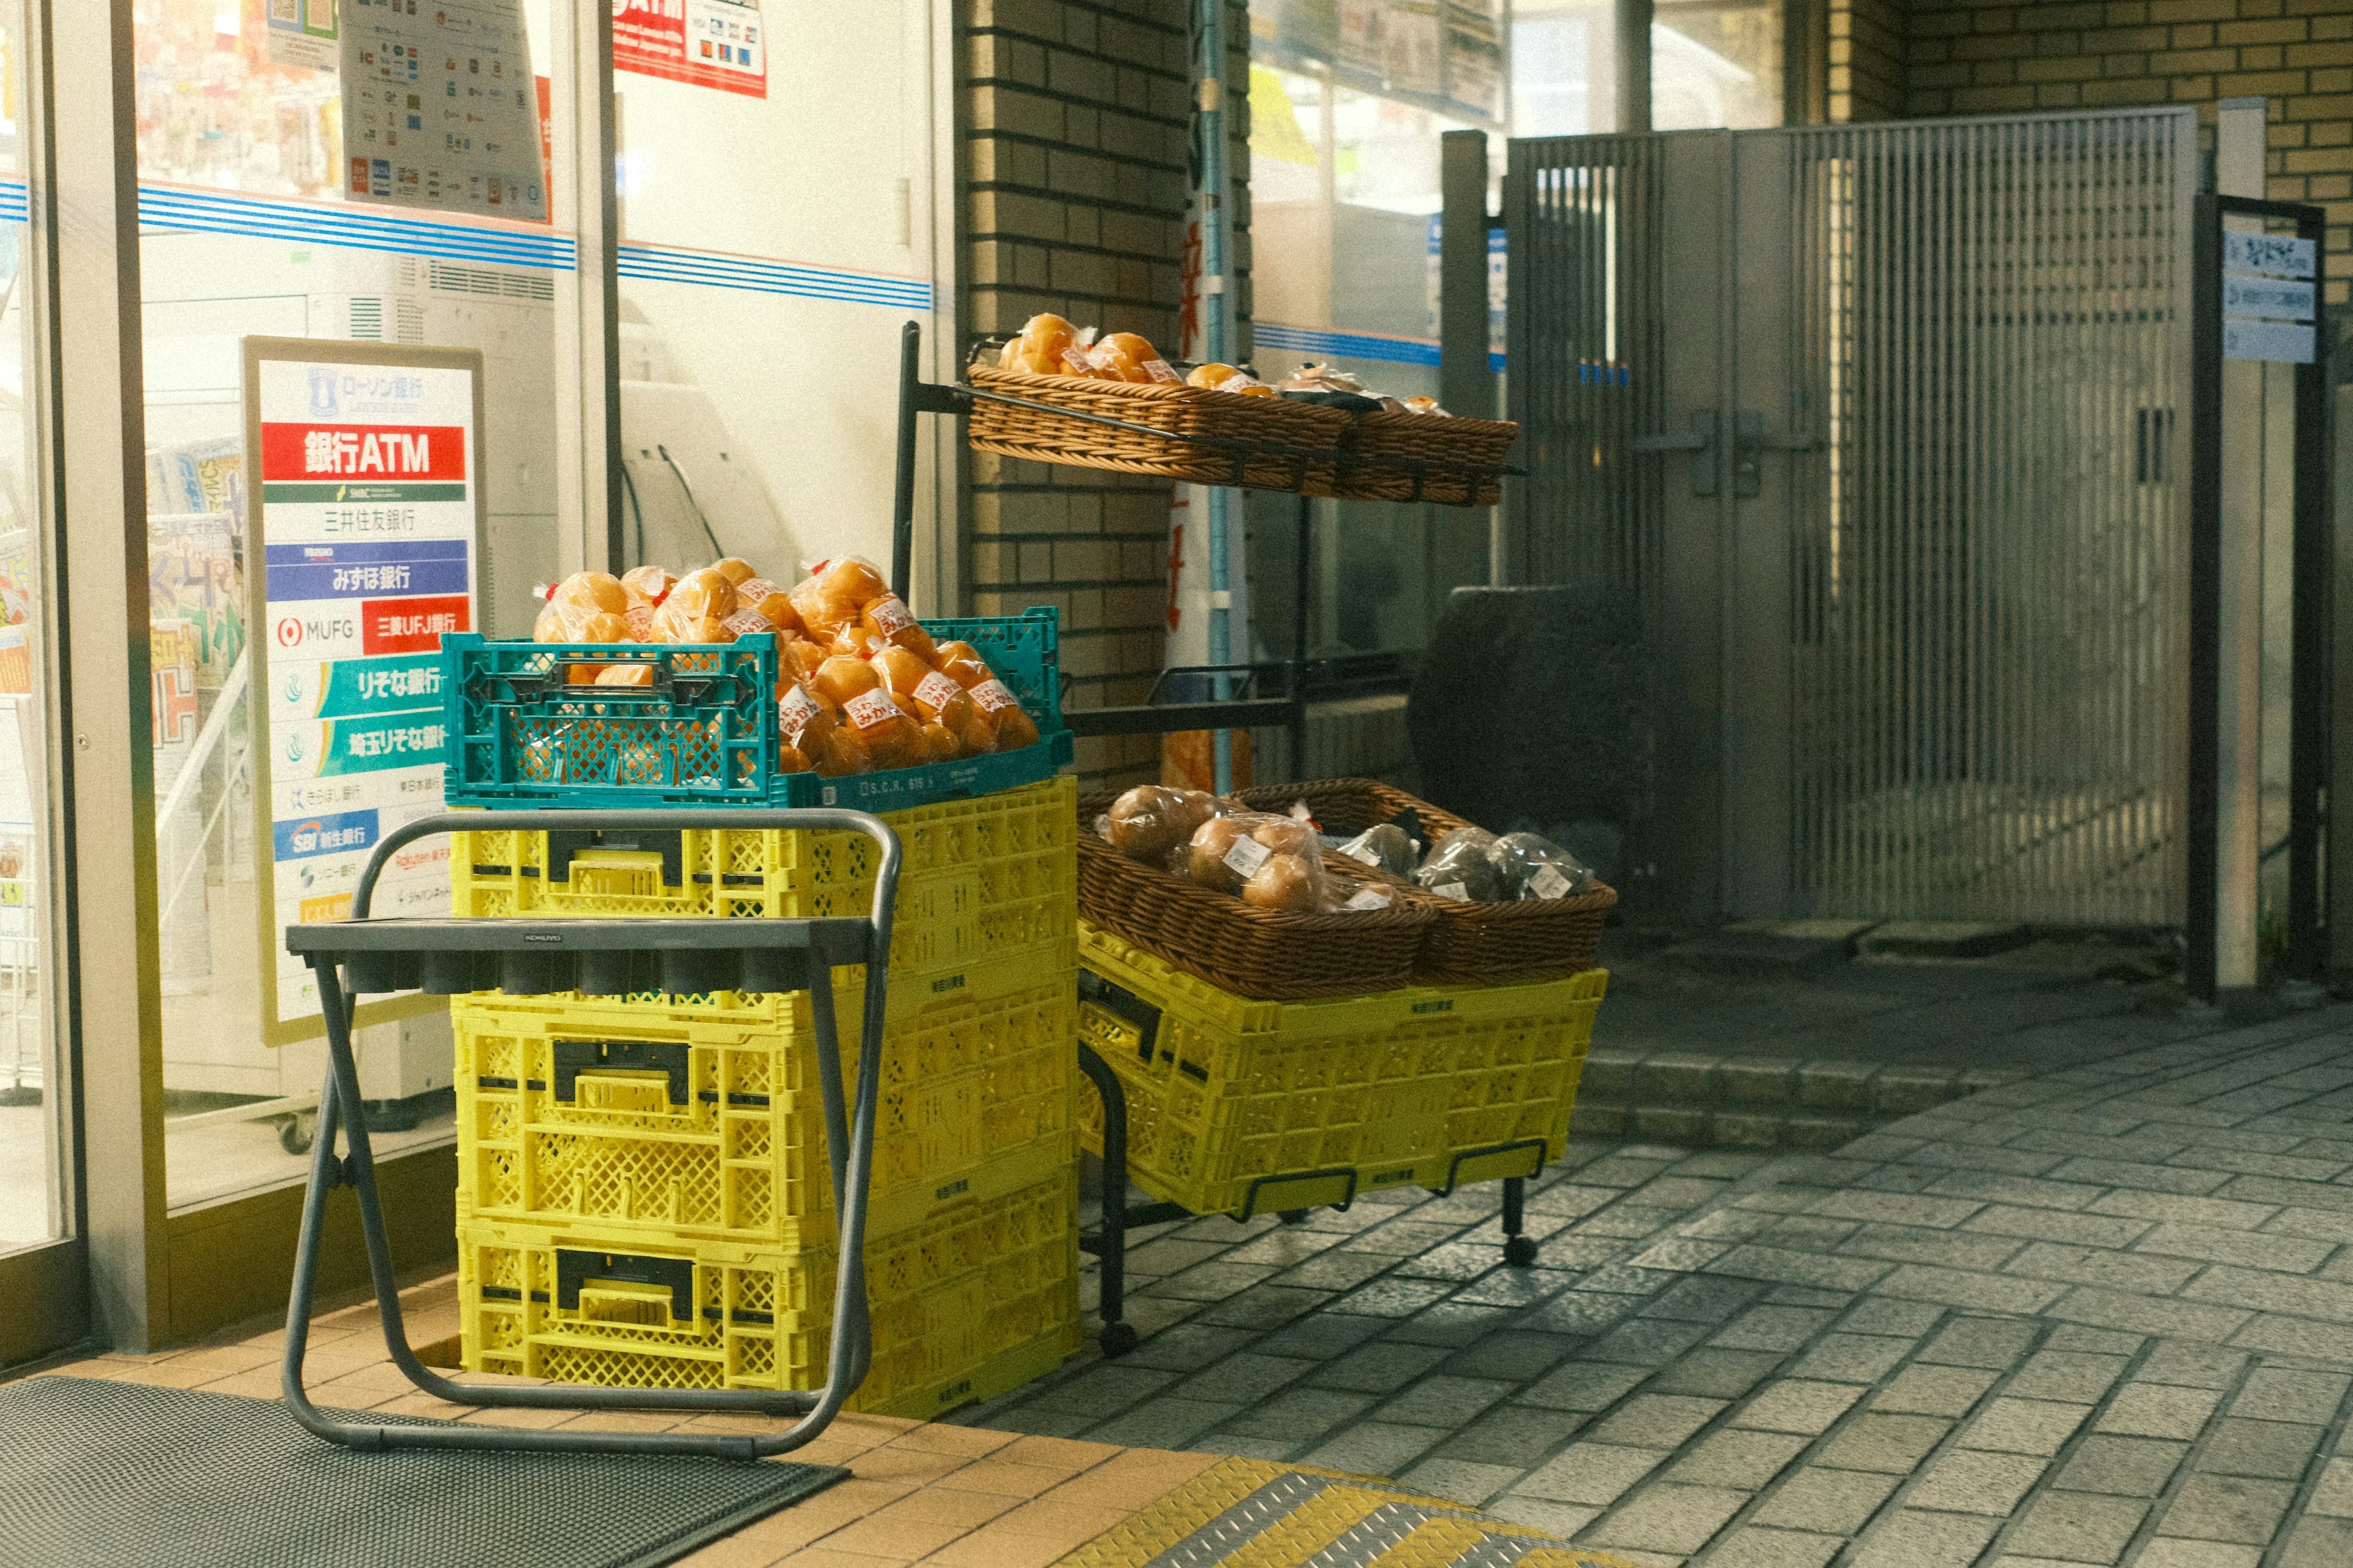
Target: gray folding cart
601, 958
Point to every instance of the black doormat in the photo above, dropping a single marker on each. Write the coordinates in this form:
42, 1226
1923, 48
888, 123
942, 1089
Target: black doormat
117, 1474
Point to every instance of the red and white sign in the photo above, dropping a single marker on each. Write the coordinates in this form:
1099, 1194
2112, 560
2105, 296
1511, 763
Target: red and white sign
412, 626
718, 44
305, 451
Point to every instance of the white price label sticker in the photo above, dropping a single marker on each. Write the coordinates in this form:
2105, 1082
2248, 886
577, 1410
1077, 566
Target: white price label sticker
1247, 855
993, 696
1548, 882
640, 622
1363, 852
795, 709
1455, 890
891, 615
868, 709
935, 691
748, 622
1369, 898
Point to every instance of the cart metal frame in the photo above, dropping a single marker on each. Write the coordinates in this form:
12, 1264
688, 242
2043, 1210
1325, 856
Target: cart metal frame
1108, 1242
602, 957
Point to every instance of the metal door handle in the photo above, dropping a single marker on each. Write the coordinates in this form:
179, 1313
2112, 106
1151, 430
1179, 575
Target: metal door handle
1748, 438
1699, 440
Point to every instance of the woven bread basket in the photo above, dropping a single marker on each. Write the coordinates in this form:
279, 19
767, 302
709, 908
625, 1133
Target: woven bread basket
1238, 947
1465, 944
1173, 410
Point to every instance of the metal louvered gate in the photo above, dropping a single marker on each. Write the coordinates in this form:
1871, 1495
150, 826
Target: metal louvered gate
1880, 425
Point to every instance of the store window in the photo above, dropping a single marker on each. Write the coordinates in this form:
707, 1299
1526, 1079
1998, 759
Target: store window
33, 1145
761, 295
1347, 111
249, 226
1714, 63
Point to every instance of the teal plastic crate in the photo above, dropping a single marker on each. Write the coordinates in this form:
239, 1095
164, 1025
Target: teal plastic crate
704, 732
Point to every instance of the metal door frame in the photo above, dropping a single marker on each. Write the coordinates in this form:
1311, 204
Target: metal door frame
1722, 606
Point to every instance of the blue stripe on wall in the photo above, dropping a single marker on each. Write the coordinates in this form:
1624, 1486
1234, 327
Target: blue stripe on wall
667, 263
1377, 346
350, 227
371, 229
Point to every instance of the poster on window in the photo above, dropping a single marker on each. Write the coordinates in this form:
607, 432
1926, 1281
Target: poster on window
704, 43
441, 108
365, 534
302, 33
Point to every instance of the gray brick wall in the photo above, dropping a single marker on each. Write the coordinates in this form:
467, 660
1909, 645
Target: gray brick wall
1077, 129
1965, 57
1867, 59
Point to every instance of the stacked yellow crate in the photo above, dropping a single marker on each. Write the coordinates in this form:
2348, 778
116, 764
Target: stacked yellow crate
643, 1190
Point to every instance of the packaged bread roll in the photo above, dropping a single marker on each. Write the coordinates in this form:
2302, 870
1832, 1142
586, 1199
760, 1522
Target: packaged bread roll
1225, 378
888, 620
1015, 728
805, 656
1227, 852
962, 663
836, 593
1150, 820
735, 569
803, 718
771, 603
653, 581
1287, 884
854, 686
587, 607
635, 672
1458, 868
793, 760
1037, 348
840, 752
1123, 356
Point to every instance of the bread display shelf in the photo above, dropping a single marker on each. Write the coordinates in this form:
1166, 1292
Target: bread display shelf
1286, 444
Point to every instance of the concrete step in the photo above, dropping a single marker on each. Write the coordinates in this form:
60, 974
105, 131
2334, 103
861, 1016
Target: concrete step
1748, 1101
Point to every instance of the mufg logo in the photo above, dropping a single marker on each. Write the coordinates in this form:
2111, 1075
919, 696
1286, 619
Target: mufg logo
322, 390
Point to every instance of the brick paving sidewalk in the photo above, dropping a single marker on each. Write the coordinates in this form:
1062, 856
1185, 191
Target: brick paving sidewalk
2101, 1316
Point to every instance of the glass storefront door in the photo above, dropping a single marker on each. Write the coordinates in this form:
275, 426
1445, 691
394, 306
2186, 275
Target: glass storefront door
41, 1274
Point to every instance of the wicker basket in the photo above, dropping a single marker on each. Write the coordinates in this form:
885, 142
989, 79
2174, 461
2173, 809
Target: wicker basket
1167, 407
1465, 944
1237, 947
1421, 437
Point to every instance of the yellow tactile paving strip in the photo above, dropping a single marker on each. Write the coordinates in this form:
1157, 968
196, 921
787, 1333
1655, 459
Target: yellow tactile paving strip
956, 1497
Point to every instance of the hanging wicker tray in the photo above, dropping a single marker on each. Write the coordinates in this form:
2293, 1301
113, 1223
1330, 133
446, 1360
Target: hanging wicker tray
1429, 458
1464, 944
1240, 948
1167, 428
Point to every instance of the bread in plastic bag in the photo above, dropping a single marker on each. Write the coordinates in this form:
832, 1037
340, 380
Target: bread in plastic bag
837, 593
587, 607
1533, 867
1231, 854
1037, 349
1150, 821
1385, 845
1459, 867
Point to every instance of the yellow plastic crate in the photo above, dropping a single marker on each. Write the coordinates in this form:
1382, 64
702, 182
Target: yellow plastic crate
976, 876
1239, 1107
701, 1118
958, 1303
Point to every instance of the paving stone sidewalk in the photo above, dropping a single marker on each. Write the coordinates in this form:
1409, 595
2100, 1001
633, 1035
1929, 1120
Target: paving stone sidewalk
2101, 1316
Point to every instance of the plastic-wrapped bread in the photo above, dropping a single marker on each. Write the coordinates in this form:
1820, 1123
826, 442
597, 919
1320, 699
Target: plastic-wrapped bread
837, 593
890, 739
1037, 348
1151, 821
